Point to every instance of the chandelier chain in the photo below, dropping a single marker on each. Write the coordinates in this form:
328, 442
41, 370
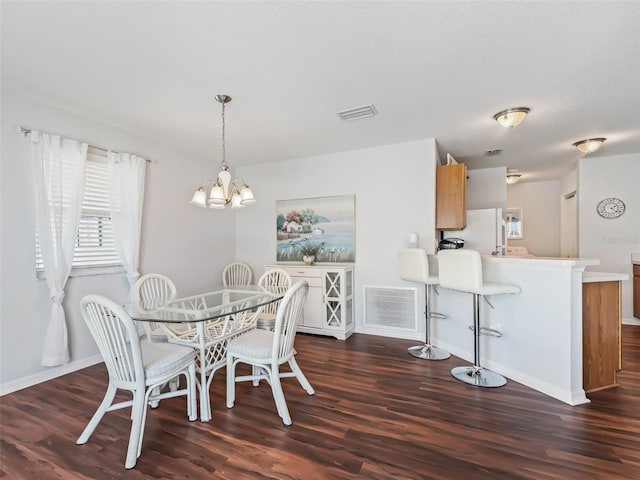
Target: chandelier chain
224, 161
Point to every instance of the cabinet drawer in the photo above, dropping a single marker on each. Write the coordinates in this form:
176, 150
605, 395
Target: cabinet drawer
312, 281
304, 272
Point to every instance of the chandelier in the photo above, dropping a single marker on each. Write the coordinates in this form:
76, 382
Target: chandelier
223, 191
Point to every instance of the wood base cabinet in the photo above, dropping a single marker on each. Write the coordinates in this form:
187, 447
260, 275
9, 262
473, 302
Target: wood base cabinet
601, 335
329, 306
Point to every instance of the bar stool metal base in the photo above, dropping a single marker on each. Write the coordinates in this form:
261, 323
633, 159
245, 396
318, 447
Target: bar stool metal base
478, 376
428, 352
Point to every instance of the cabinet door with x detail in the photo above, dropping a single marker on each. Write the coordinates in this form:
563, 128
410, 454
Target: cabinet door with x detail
338, 299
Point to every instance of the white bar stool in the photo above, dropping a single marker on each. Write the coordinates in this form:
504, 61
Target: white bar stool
414, 267
461, 270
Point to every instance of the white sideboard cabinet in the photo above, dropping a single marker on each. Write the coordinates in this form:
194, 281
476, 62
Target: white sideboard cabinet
329, 306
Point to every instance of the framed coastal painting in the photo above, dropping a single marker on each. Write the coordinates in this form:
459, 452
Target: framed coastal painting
324, 226
514, 223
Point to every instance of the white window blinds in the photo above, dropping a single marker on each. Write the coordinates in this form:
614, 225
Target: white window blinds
95, 244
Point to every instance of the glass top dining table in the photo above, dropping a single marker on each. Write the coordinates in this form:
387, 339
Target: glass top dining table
207, 322
220, 302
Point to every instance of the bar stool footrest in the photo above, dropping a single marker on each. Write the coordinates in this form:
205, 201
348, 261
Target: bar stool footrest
490, 332
487, 331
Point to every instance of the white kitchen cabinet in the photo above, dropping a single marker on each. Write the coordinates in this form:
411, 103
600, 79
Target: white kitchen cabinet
329, 306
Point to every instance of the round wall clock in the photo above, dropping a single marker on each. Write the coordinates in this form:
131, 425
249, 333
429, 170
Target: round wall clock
610, 208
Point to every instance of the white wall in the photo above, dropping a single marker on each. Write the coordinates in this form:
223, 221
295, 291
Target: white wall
611, 240
540, 214
394, 186
188, 244
569, 214
487, 188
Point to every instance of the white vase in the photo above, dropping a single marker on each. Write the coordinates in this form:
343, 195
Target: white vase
308, 259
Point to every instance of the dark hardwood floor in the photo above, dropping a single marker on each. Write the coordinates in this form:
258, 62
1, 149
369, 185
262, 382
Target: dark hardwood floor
378, 413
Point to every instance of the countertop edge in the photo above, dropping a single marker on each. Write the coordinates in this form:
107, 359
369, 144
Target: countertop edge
593, 277
548, 261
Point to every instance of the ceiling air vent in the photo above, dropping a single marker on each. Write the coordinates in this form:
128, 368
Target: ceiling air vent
491, 153
357, 113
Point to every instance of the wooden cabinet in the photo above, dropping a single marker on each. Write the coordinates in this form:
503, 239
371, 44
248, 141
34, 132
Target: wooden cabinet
451, 197
636, 291
328, 309
601, 335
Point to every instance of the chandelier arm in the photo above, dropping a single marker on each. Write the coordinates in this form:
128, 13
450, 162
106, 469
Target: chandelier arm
235, 180
206, 183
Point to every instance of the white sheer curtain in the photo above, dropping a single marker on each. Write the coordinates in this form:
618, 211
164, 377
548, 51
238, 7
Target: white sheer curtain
126, 198
59, 165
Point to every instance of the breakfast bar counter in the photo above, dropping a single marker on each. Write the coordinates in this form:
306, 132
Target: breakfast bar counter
542, 327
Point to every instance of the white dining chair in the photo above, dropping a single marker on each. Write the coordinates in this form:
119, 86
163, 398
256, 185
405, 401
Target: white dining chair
140, 368
268, 350
151, 292
275, 281
237, 273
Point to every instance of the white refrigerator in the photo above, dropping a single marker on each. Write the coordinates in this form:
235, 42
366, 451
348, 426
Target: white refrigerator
485, 232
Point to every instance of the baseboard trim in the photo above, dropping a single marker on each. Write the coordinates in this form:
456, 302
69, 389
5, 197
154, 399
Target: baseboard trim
631, 321
49, 374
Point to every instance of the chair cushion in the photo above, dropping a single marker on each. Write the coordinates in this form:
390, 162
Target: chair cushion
266, 321
267, 316
162, 358
255, 344
158, 335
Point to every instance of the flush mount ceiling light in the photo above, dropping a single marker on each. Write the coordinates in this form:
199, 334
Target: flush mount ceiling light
224, 191
513, 177
589, 145
511, 117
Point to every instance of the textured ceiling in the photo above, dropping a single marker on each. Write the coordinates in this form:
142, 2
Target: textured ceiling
436, 69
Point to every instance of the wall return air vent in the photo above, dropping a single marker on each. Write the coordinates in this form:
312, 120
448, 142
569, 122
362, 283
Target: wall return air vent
358, 113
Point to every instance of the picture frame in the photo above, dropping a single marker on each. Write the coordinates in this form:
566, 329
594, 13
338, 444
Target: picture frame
514, 223
324, 225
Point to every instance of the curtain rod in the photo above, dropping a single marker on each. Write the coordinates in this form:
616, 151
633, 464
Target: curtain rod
26, 131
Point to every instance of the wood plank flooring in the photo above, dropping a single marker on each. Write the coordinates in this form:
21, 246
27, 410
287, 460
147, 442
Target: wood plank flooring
378, 413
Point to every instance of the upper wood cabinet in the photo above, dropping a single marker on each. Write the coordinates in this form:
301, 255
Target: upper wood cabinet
451, 197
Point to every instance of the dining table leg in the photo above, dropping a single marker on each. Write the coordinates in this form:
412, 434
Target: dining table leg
205, 402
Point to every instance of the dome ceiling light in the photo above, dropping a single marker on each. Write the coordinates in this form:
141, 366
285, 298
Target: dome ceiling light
511, 117
589, 145
513, 177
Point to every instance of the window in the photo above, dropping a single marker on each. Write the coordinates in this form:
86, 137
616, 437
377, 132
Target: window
95, 250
